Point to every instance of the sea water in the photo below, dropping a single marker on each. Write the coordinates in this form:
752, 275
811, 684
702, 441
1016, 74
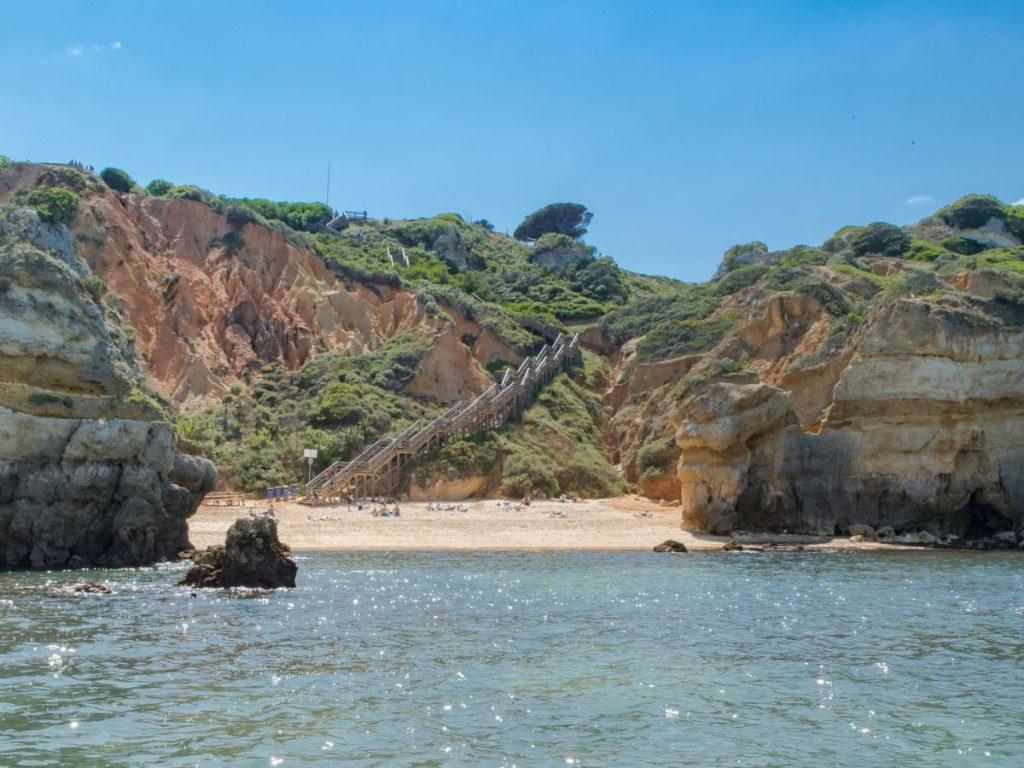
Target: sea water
516, 659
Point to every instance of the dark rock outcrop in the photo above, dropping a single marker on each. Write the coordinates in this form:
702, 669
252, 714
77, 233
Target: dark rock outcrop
671, 545
92, 492
252, 556
93, 588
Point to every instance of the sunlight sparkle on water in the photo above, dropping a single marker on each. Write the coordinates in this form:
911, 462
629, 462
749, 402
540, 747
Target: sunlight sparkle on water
408, 658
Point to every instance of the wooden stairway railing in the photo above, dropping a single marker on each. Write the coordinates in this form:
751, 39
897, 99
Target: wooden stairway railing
376, 470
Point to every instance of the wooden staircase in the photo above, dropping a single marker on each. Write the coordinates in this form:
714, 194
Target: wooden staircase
377, 470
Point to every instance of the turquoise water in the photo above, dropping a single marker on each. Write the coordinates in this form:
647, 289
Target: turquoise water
568, 659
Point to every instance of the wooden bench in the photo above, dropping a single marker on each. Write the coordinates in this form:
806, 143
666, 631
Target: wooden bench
224, 499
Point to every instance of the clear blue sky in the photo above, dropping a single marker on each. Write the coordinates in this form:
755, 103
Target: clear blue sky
684, 127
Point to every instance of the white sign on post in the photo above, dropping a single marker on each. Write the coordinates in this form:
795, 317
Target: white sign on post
309, 454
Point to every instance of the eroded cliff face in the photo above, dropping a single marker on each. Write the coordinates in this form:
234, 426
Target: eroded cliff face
211, 299
923, 433
88, 474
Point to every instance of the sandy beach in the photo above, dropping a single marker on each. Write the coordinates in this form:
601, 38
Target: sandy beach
621, 523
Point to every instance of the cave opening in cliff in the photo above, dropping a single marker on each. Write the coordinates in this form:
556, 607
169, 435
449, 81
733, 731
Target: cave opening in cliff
981, 519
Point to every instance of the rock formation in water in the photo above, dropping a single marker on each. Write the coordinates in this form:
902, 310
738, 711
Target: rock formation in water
89, 475
251, 556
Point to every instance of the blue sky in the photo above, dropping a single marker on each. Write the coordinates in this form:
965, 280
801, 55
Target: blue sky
684, 127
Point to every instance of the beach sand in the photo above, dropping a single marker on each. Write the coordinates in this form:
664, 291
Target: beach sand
622, 523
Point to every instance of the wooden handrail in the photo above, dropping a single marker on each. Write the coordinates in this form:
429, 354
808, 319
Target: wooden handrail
497, 401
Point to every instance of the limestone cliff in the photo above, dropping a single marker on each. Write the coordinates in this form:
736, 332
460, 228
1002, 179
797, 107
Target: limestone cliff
913, 423
88, 474
923, 433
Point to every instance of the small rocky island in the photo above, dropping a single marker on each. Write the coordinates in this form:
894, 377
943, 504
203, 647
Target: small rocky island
252, 556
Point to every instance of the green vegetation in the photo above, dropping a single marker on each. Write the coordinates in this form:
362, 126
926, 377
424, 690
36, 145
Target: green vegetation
159, 187
55, 205
334, 403
963, 246
745, 254
879, 239
682, 337
656, 457
45, 398
4, 162
302, 217
803, 280
117, 180
923, 251
647, 313
571, 219
474, 455
974, 211
558, 447
739, 278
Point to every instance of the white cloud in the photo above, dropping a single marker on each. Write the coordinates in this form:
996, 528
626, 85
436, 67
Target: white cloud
920, 200
78, 48
1019, 202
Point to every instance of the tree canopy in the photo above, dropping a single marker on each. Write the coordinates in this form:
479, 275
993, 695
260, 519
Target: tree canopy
159, 187
562, 218
117, 179
880, 237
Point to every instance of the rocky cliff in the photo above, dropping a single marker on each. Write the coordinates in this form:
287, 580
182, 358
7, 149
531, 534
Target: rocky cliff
922, 434
834, 391
212, 297
870, 381
89, 475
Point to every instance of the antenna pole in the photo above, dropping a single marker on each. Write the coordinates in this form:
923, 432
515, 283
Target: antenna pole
328, 200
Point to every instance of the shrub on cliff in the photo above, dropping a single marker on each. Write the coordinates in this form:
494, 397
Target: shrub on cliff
78, 181
682, 337
737, 256
917, 282
524, 474
117, 180
569, 219
802, 280
879, 238
920, 250
656, 456
159, 187
597, 279
972, 211
739, 278
55, 205
302, 217
962, 245
199, 195
474, 455
640, 316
